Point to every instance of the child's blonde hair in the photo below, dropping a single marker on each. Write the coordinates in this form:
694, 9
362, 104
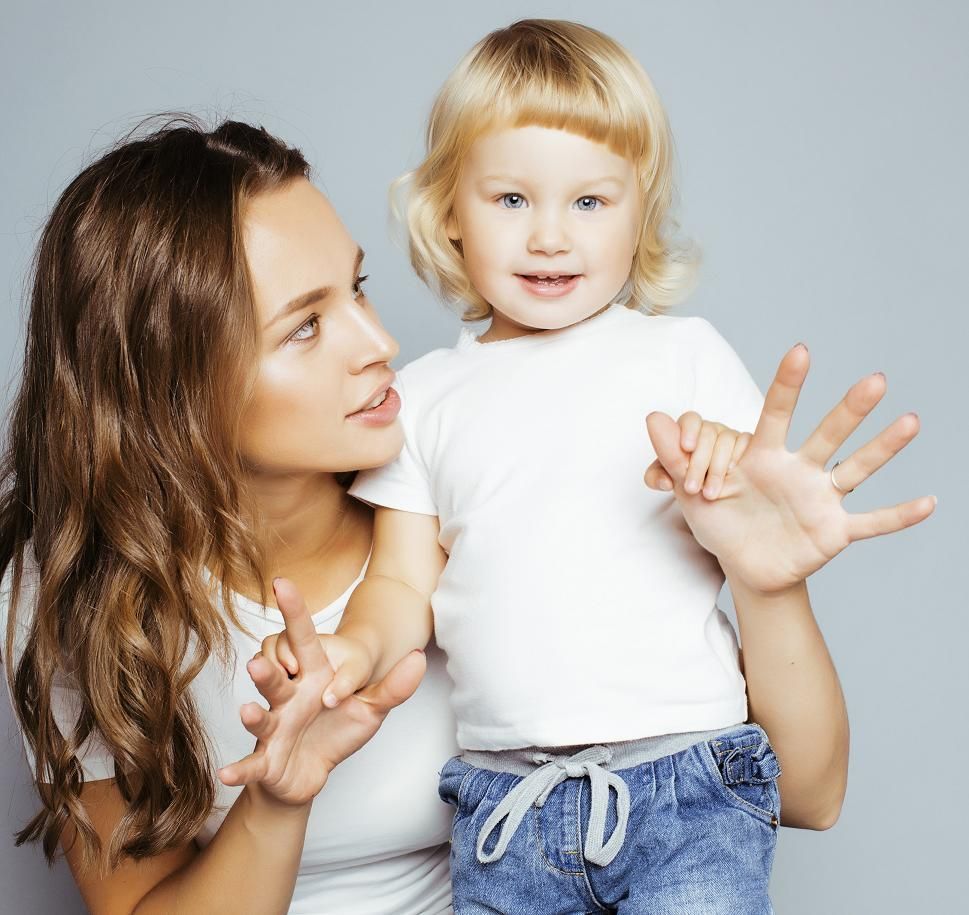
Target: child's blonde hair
548, 73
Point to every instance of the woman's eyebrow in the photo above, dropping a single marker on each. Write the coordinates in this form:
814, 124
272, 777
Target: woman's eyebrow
314, 295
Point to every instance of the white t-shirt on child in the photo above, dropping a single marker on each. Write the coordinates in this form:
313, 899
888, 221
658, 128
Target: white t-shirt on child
376, 840
576, 606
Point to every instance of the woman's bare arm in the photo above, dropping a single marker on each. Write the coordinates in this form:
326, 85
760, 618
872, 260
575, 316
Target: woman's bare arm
222, 877
794, 694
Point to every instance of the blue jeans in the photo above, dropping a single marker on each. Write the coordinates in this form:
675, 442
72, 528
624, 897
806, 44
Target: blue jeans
692, 833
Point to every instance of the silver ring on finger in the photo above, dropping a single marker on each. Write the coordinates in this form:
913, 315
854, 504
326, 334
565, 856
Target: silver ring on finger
834, 482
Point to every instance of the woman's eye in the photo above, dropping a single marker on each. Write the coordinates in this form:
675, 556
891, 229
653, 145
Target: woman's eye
512, 201
588, 203
306, 331
358, 285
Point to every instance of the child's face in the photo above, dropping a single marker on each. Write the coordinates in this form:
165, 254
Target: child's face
535, 202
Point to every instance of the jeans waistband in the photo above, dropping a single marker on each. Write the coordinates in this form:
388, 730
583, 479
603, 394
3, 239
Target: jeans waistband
544, 768
624, 754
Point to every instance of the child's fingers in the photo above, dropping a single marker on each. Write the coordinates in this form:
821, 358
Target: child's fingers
656, 477
286, 656
689, 423
353, 674
700, 459
740, 446
276, 649
720, 460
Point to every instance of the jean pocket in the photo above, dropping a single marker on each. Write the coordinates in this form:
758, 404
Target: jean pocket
464, 787
744, 769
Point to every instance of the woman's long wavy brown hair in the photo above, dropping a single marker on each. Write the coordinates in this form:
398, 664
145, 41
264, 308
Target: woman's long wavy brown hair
122, 475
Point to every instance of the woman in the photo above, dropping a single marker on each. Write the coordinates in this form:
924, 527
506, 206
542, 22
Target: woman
201, 369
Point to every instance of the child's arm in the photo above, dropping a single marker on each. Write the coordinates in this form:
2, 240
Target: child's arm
778, 519
389, 612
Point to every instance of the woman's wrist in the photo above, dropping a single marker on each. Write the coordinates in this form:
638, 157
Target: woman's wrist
753, 599
263, 810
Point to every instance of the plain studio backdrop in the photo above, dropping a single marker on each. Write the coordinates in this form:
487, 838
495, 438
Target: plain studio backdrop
822, 154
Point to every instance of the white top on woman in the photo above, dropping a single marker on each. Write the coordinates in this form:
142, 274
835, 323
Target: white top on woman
376, 841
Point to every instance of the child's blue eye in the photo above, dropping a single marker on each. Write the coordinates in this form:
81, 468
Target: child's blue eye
512, 201
588, 204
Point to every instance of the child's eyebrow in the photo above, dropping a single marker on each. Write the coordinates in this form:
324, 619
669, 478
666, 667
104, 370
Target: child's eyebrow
582, 183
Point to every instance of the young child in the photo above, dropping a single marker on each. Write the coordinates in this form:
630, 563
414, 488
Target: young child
598, 688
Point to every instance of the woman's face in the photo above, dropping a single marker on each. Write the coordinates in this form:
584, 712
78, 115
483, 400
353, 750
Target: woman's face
322, 354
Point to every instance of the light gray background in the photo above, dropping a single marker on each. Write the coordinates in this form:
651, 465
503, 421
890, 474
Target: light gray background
823, 152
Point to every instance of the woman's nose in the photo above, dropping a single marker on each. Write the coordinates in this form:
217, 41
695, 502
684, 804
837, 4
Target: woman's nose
369, 341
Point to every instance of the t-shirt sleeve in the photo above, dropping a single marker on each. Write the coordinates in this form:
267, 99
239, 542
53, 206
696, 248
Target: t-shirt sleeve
404, 483
724, 390
94, 756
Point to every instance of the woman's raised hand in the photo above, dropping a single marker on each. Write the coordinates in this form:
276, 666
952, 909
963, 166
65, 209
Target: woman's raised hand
779, 515
298, 740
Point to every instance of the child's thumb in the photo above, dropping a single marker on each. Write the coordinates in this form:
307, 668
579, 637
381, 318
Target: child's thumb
664, 433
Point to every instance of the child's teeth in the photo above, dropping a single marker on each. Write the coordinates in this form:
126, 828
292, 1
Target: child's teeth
377, 401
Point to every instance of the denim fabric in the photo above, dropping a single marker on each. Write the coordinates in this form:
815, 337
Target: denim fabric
700, 839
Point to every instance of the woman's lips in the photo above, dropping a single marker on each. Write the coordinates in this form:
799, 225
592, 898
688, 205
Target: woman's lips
549, 287
381, 415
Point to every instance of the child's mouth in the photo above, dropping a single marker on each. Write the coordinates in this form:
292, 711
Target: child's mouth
550, 284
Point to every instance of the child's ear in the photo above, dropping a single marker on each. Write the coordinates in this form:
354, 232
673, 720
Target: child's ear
452, 228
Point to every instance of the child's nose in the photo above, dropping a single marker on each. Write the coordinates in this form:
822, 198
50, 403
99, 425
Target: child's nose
549, 236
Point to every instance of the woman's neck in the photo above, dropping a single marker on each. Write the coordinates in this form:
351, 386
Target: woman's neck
312, 533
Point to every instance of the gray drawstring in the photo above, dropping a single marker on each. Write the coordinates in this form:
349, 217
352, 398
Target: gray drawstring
537, 786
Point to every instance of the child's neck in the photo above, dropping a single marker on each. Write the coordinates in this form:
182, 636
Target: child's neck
504, 328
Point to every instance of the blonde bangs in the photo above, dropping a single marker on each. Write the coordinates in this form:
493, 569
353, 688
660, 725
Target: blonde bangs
560, 75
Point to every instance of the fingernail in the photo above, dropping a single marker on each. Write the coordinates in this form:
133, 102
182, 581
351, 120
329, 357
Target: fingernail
689, 444
329, 700
913, 413
665, 484
692, 486
879, 373
802, 345
935, 500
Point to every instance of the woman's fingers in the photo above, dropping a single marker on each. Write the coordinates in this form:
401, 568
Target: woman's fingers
888, 520
250, 769
256, 720
300, 632
781, 398
832, 432
873, 455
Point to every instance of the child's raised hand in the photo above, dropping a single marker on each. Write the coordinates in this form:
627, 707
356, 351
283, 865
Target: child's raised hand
713, 448
350, 659
779, 516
